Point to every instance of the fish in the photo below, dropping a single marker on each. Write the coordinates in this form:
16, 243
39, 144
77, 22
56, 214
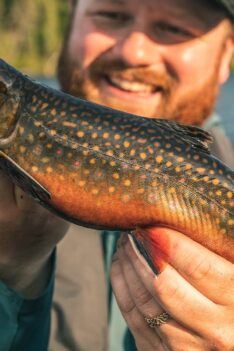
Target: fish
107, 169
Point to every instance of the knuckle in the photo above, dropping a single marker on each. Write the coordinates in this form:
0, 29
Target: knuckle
142, 297
198, 269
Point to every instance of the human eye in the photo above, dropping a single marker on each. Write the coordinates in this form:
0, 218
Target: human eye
115, 17
172, 33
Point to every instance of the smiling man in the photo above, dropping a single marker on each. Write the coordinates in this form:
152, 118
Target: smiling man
153, 58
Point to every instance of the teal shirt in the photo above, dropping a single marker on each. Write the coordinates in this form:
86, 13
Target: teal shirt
25, 324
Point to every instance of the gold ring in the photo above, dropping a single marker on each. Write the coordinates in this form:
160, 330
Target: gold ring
158, 320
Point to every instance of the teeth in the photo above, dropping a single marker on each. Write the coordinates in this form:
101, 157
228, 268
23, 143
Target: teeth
132, 86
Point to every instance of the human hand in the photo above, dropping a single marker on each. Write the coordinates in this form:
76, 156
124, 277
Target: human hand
28, 235
195, 286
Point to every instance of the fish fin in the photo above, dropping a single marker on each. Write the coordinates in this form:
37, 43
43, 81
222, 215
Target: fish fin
23, 179
139, 245
195, 136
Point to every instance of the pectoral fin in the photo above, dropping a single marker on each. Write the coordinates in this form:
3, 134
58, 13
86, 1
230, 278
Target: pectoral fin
23, 179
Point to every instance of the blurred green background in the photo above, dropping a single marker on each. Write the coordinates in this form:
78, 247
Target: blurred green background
31, 33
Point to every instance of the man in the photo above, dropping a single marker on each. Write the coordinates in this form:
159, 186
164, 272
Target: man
154, 59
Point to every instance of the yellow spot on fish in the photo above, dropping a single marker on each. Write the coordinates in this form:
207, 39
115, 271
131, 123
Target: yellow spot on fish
172, 190
143, 155
203, 202
230, 222
85, 152
106, 135
111, 189
37, 123
95, 191
200, 170
127, 182
22, 149
140, 191
96, 148
188, 166
45, 159
69, 124
126, 144
215, 182
85, 144
151, 151
219, 193
206, 179
21, 130
223, 202
125, 198
115, 175
62, 113
53, 112
92, 161
180, 159
34, 169
44, 105
229, 194
212, 171
31, 138
49, 169
94, 136
154, 183
86, 171
80, 134
178, 169
81, 183
132, 152
159, 159
53, 132
110, 153
169, 164
113, 163
117, 137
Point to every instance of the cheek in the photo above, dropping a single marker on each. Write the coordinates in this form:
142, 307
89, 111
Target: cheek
88, 46
193, 64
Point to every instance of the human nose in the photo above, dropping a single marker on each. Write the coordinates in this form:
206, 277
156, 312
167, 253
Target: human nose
138, 49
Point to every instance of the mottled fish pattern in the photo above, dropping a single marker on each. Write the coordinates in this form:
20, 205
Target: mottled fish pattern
103, 168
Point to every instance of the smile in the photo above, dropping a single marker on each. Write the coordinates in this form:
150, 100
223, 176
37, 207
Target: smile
132, 87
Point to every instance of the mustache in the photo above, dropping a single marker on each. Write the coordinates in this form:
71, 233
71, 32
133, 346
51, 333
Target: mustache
145, 75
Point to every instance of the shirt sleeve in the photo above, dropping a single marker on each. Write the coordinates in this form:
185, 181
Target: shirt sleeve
25, 324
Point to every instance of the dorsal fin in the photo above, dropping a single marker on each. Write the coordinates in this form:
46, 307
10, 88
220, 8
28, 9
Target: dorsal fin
195, 136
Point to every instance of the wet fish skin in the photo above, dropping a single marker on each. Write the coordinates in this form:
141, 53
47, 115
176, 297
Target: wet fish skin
107, 169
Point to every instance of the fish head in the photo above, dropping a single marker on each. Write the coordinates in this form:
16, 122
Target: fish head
9, 101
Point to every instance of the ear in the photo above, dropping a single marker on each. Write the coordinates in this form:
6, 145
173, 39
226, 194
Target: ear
228, 51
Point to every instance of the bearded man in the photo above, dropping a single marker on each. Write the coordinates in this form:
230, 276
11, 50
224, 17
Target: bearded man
152, 58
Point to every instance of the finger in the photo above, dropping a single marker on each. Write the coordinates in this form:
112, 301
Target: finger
180, 299
146, 339
174, 335
199, 266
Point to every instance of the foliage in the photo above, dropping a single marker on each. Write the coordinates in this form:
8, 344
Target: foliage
31, 33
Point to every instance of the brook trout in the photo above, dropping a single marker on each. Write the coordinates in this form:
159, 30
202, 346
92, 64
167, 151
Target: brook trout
103, 168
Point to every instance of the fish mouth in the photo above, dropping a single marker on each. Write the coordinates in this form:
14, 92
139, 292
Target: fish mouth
133, 86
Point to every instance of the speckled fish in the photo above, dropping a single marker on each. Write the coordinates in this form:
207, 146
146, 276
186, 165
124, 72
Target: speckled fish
103, 168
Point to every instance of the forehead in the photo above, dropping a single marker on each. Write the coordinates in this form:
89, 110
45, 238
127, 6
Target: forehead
191, 7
